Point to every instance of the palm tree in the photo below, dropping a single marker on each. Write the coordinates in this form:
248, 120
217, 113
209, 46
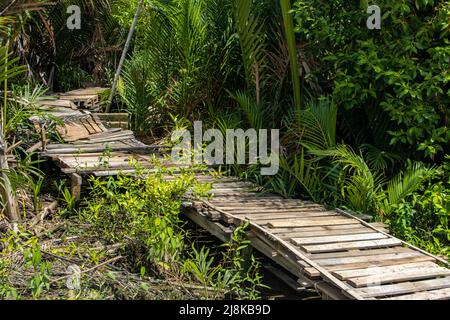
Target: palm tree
368, 190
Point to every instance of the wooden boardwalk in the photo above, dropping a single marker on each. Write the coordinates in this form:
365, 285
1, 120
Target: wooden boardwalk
339, 255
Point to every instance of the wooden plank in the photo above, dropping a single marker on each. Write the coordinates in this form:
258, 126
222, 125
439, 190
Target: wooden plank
441, 294
106, 139
235, 189
282, 215
110, 133
59, 146
272, 200
315, 228
370, 262
355, 273
86, 150
311, 222
341, 246
57, 103
405, 287
338, 238
113, 116
359, 253
306, 234
359, 259
88, 126
73, 131
273, 211
262, 203
94, 125
440, 259
230, 198
408, 275
268, 221
240, 183
270, 209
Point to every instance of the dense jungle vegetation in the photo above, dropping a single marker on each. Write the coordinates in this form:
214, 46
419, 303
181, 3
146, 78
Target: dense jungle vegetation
363, 117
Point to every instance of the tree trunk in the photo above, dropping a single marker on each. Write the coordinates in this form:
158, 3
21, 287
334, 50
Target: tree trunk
122, 58
10, 204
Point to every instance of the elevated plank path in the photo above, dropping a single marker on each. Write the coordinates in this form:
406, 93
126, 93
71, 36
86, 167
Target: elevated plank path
338, 254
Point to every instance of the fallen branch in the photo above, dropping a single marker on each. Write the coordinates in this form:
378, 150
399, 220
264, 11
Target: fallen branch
88, 270
13, 146
41, 216
34, 147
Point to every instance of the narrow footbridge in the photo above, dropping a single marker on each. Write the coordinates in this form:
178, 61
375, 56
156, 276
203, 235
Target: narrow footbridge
338, 254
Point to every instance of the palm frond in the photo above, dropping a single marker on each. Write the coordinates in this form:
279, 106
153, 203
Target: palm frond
359, 185
254, 112
379, 159
405, 183
292, 47
315, 127
303, 173
251, 38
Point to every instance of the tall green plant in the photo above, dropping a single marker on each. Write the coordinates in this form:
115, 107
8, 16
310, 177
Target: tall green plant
137, 92
292, 47
361, 187
252, 43
367, 190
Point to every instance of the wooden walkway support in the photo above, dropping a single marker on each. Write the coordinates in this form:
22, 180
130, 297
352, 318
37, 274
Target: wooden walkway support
355, 259
338, 254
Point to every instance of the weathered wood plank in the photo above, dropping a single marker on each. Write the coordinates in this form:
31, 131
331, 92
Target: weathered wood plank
261, 210
405, 287
378, 261
370, 262
260, 203
355, 273
273, 200
359, 253
408, 275
338, 238
359, 259
315, 228
283, 215
306, 234
341, 246
311, 222
441, 294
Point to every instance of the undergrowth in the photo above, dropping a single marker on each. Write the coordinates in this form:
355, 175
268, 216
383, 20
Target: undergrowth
127, 241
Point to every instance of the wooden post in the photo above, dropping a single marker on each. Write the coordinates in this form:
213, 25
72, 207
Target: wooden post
43, 137
122, 58
9, 199
75, 185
